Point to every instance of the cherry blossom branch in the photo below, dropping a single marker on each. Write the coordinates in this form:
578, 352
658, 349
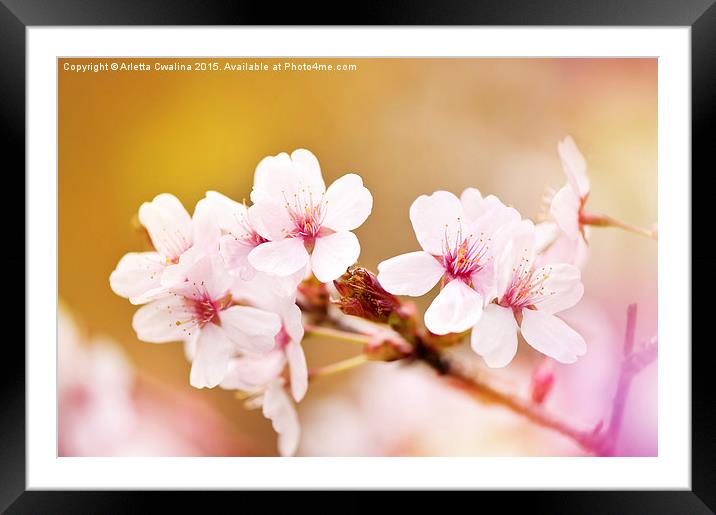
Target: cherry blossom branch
609, 221
632, 363
362, 295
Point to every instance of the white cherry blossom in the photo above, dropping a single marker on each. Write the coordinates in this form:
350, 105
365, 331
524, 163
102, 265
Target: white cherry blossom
460, 239
305, 223
261, 374
527, 300
200, 309
177, 238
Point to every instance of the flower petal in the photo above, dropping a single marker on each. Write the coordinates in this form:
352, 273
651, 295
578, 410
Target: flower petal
333, 254
251, 329
282, 257
546, 233
432, 217
271, 219
277, 407
250, 372
575, 166
213, 351
164, 320
205, 227
168, 223
297, 369
563, 287
235, 254
414, 273
552, 336
230, 215
456, 309
280, 177
348, 203
494, 337
136, 274
565, 211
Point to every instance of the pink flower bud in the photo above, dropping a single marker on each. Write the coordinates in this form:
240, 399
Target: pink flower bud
362, 296
542, 380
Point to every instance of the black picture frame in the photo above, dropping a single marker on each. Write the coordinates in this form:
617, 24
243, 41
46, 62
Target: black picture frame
17, 15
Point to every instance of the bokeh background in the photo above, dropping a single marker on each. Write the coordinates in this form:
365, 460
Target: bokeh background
408, 127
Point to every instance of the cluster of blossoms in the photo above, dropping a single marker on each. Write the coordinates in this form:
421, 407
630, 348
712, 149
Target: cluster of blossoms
225, 279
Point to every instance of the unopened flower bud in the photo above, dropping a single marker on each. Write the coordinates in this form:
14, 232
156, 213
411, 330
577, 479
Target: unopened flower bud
363, 296
542, 380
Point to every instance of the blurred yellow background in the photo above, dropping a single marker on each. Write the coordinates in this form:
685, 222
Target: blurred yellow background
407, 126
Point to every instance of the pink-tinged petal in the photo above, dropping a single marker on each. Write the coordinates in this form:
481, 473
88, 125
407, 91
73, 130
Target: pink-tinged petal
277, 407
230, 215
563, 287
271, 219
167, 319
456, 309
291, 317
565, 211
250, 372
348, 203
205, 227
333, 254
473, 204
494, 337
213, 351
137, 273
278, 178
190, 346
298, 370
575, 166
433, 217
546, 233
414, 273
235, 254
206, 277
283, 257
519, 252
552, 336
169, 225
309, 169
251, 329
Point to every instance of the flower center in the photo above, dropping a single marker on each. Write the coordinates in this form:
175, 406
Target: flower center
464, 256
246, 235
526, 288
306, 214
204, 310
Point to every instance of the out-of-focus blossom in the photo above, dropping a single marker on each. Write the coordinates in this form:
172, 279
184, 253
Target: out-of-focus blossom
460, 239
304, 222
177, 239
527, 299
390, 409
200, 310
542, 381
105, 410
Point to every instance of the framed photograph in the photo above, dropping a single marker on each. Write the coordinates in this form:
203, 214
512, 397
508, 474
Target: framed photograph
444, 249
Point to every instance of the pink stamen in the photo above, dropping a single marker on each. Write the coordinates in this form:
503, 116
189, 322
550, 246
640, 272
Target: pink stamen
527, 287
306, 215
465, 256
